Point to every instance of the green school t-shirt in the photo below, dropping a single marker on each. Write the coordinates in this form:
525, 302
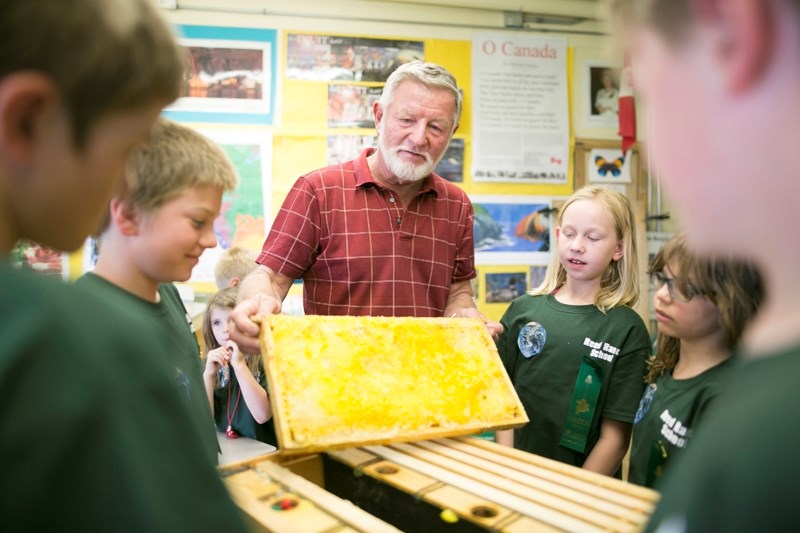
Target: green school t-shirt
95, 435
616, 342
741, 470
169, 318
669, 413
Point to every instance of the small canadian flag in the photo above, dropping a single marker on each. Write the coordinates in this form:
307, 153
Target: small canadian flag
627, 108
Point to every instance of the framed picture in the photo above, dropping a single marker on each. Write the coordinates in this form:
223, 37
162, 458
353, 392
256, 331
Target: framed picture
451, 166
245, 214
512, 229
41, 259
343, 148
231, 75
313, 57
350, 106
608, 166
602, 94
505, 287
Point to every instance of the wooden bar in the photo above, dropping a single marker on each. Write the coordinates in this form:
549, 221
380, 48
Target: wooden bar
461, 484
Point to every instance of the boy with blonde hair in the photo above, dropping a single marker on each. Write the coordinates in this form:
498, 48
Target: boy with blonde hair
156, 228
233, 265
94, 430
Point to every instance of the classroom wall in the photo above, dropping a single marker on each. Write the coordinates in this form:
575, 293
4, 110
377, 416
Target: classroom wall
299, 129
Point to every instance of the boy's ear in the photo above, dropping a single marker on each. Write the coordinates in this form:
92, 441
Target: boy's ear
26, 100
744, 35
124, 216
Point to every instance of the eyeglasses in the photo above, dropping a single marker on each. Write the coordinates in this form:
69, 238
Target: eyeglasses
658, 280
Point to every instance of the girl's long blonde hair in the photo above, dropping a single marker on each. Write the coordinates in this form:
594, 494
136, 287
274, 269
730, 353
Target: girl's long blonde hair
224, 299
735, 287
619, 284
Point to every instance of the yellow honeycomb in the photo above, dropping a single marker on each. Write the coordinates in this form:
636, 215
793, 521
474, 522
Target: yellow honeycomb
344, 381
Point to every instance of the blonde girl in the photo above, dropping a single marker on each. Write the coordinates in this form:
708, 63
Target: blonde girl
235, 382
573, 347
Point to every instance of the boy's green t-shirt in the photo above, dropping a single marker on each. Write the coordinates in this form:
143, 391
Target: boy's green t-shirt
95, 435
741, 470
169, 320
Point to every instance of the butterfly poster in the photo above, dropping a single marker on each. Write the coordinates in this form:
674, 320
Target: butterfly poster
608, 166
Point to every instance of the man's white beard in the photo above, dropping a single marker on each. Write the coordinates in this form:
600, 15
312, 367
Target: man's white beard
403, 171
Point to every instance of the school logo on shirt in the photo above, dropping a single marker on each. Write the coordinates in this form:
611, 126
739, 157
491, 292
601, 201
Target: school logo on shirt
531, 339
601, 350
644, 403
674, 430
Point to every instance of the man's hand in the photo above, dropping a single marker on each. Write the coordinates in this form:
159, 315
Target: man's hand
242, 329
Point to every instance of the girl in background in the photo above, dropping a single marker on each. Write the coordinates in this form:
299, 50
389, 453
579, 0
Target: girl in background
702, 306
573, 347
235, 382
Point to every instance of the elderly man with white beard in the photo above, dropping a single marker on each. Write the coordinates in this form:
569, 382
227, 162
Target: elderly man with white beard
381, 235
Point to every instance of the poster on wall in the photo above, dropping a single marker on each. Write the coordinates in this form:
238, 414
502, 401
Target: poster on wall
245, 216
511, 229
40, 259
505, 287
601, 92
350, 106
520, 109
230, 75
315, 57
451, 165
343, 148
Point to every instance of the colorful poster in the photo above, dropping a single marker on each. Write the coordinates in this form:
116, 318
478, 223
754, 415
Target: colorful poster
451, 166
350, 106
505, 287
231, 75
339, 58
41, 259
245, 213
511, 229
343, 148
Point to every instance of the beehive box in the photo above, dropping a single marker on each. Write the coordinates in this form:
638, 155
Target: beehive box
453, 485
336, 382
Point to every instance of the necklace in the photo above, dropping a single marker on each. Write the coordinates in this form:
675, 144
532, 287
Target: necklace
230, 432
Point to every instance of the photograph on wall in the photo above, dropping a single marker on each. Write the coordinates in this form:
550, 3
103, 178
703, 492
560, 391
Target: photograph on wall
340, 58
451, 166
504, 287
343, 148
229, 73
602, 94
40, 259
608, 166
245, 214
350, 106
511, 229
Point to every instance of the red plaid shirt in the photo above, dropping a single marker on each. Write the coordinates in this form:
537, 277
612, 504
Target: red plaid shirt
339, 232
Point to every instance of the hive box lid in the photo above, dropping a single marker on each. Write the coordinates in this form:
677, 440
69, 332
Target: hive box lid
337, 382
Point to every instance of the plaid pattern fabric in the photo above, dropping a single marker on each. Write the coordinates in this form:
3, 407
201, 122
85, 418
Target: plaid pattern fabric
338, 230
